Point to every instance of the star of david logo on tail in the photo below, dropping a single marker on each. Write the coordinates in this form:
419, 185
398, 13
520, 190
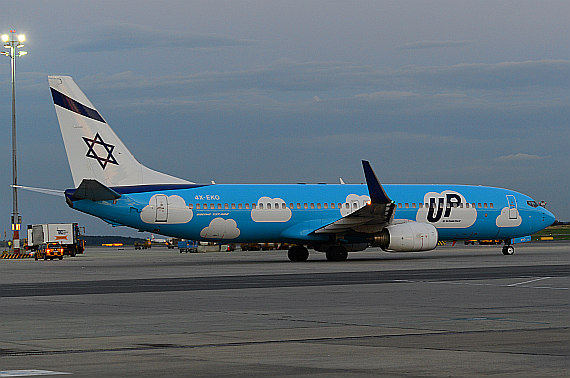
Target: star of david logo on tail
91, 153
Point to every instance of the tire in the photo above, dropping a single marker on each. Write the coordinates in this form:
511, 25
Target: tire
508, 250
298, 253
337, 253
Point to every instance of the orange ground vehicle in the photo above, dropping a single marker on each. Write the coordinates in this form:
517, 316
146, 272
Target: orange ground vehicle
49, 251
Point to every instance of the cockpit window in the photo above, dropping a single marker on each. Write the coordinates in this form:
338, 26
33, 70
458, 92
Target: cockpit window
532, 203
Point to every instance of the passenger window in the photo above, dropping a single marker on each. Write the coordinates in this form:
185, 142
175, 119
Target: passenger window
306, 206
226, 206
290, 205
325, 205
332, 205
197, 206
246, 206
318, 205
312, 206
479, 205
233, 205
413, 205
340, 205
283, 206
298, 205
485, 205
399, 206
268, 206
190, 206
261, 206
240, 206
407, 205
491, 205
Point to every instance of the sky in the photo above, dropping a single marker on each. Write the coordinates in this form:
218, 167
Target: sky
468, 92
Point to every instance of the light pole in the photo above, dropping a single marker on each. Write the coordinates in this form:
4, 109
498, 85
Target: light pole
14, 42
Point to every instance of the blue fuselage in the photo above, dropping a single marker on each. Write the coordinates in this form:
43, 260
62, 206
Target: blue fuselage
292, 212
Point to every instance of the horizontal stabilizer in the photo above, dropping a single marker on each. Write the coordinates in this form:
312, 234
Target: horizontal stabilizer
52, 192
95, 191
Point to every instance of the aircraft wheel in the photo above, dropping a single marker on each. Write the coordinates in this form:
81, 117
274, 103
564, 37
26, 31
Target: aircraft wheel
337, 253
61, 257
508, 250
298, 253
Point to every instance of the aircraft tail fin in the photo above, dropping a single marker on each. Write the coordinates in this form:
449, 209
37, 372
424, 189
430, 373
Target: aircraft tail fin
93, 149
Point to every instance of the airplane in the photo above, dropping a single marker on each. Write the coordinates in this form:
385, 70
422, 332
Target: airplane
336, 219
153, 239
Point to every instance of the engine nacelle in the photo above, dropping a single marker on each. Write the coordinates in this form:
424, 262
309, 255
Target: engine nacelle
407, 237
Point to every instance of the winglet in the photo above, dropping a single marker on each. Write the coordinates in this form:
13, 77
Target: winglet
375, 189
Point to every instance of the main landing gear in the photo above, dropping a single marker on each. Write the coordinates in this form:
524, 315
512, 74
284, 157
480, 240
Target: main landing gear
298, 253
336, 253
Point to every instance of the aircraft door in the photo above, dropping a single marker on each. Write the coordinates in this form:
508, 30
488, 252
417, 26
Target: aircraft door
513, 213
161, 206
354, 205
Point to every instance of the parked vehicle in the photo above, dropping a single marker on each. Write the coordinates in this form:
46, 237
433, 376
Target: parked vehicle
67, 235
49, 251
187, 246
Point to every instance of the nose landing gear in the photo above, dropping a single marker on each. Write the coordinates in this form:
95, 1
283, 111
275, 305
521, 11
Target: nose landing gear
508, 249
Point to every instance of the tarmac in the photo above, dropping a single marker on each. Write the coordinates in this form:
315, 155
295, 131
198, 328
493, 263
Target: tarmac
459, 311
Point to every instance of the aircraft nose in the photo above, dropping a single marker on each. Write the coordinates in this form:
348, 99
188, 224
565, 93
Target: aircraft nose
547, 217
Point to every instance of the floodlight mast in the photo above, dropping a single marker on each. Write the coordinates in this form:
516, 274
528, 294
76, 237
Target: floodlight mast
14, 42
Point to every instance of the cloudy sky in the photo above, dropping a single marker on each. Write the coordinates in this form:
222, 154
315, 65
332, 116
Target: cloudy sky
471, 92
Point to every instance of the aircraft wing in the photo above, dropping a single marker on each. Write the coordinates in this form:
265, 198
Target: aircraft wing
371, 218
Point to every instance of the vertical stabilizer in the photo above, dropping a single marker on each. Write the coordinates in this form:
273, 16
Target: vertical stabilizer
94, 151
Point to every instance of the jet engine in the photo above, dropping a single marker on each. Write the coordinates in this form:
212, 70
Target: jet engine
407, 237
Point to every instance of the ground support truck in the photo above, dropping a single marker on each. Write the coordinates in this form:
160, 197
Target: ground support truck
187, 246
67, 235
